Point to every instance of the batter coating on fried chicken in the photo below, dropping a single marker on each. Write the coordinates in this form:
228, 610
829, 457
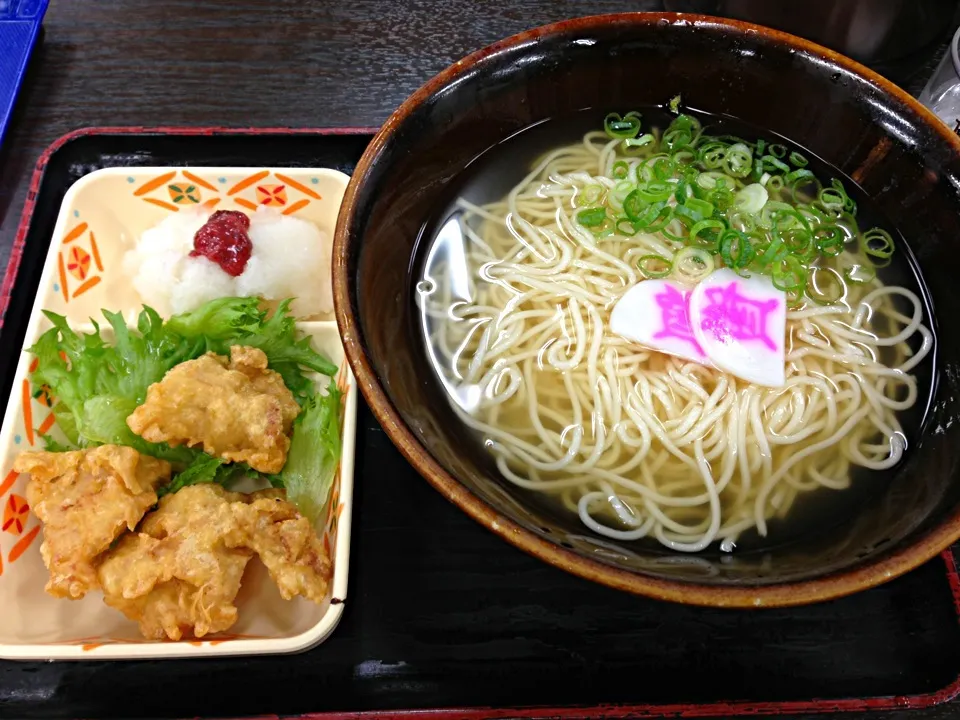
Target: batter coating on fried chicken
286, 543
238, 410
179, 576
85, 500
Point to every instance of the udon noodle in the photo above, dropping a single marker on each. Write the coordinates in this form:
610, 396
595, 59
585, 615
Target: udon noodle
638, 443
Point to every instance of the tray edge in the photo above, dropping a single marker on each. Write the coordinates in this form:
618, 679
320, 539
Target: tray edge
610, 712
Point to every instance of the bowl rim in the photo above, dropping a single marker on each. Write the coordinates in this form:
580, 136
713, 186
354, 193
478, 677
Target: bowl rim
786, 594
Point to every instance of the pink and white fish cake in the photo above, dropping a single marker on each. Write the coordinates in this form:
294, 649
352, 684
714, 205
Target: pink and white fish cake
739, 323
729, 322
656, 314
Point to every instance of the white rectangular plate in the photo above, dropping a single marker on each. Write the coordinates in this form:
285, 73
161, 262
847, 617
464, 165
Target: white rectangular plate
100, 219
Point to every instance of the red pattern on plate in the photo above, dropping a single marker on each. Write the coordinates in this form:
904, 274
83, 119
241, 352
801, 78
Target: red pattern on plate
15, 514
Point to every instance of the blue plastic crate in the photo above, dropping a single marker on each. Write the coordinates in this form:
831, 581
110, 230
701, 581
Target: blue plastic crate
19, 27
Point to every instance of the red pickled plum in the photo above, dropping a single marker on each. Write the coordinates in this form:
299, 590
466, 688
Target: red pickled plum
224, 240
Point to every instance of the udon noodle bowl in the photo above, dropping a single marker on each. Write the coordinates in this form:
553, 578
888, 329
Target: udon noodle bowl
516, 300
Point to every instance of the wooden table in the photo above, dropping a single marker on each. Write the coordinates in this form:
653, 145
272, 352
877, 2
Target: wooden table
296, 63
293, 63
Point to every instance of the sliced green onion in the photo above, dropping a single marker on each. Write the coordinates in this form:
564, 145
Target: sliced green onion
800, 243
681, 190
789, 274
794, 299
687, 214
676, 230
590, 195
706, 234
622, 127
792, 177
829, 240
721, 198
675, 139
691, 265
848, 224
751, 199
736, 251
633, 205
877, 243
653, 218
594, 217
738, 160
620, 191
645, 169
848, 204
774, 252
754, 207
709, 180
860, 274
654, 266
739, 220
654, 191
801, 182
810, 219
639, 141
825, 285
605, 229
711, 154
772, 163
831, 199
685, 122
777, 214
700, 206
687, 170
664, 168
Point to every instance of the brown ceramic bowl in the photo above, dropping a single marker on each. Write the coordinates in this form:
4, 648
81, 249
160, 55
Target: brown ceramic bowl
873, 131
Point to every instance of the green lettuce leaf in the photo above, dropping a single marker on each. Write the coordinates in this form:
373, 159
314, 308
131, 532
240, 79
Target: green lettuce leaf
97, 383
51, 444
239, 321
203, 469
314, 454
218, 320
208, 469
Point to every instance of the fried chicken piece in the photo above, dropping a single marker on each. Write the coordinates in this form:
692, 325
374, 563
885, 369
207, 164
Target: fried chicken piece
85, 499
239, 411
179, 576
286, 543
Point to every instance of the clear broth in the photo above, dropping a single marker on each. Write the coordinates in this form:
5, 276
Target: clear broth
490, 176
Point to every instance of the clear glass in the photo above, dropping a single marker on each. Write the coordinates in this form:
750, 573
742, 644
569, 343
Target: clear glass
942, 93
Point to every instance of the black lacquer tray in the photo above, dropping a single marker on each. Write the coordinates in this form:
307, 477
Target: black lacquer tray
445, 620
